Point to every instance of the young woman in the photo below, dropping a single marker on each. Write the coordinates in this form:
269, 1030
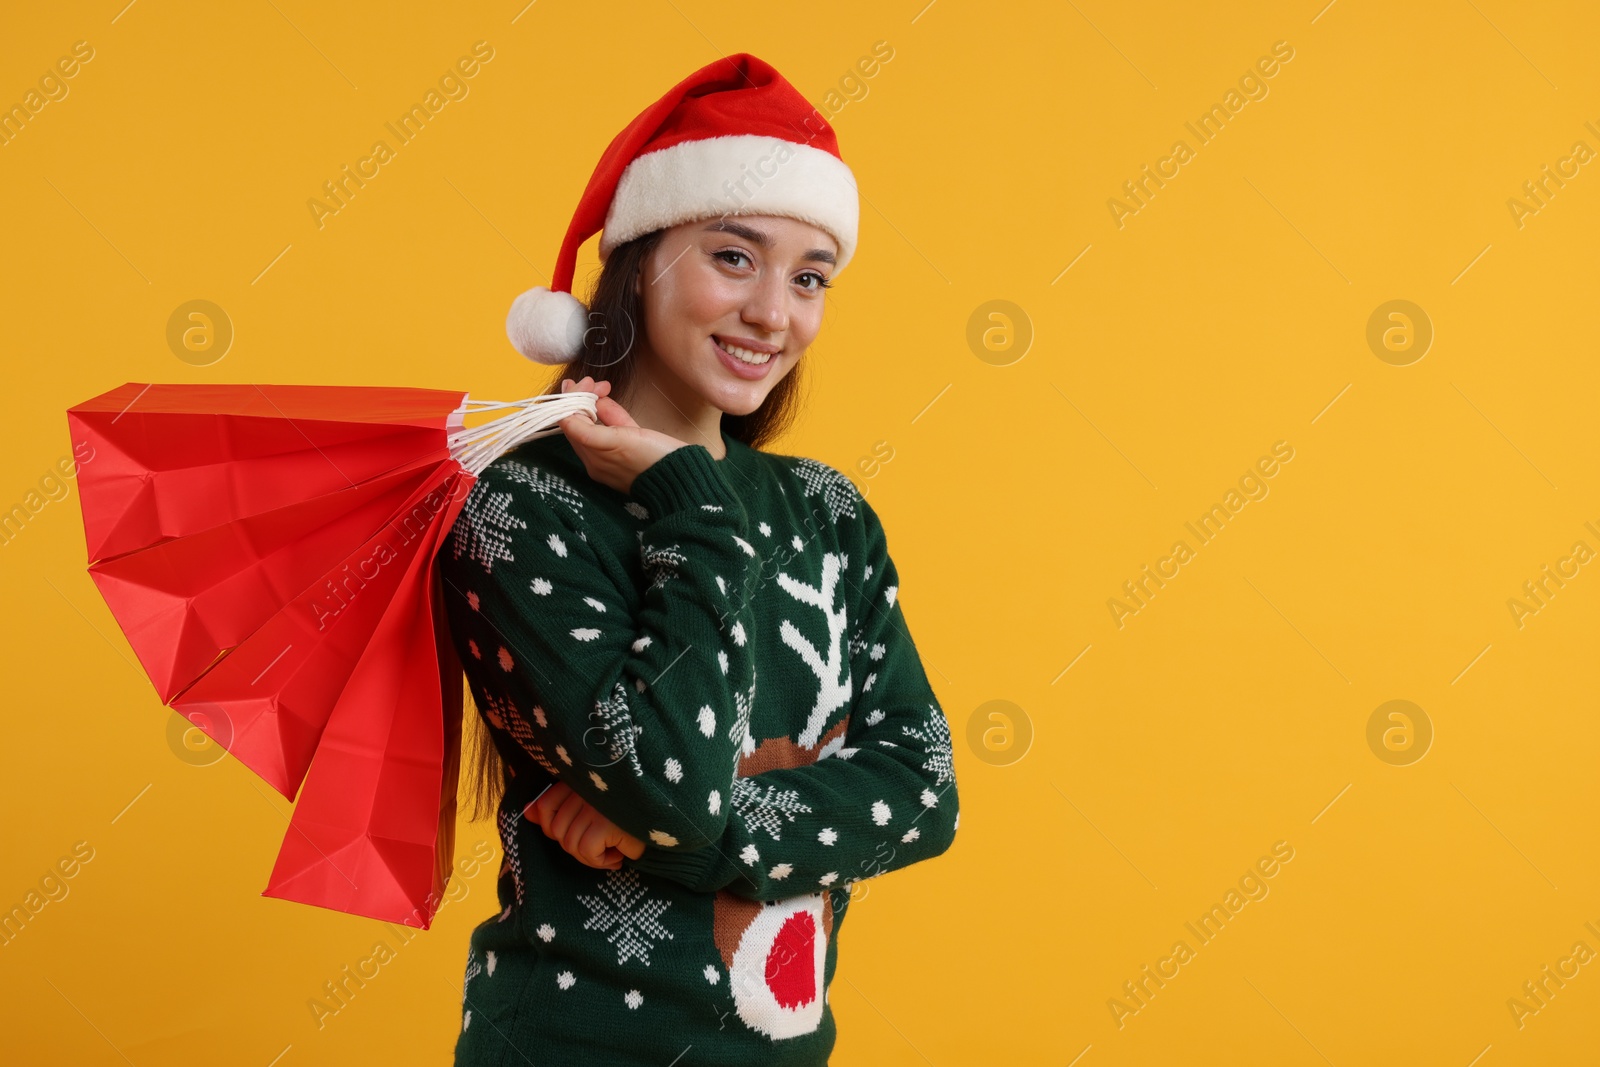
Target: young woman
706, 718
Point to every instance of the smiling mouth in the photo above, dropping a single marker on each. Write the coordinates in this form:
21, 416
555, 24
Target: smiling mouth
743, 355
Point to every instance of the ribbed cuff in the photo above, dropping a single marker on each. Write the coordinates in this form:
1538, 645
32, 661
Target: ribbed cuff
686, 477
686, 868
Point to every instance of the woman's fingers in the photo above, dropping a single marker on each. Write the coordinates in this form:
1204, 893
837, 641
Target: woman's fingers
586, 838
612, 413
540, 809
558, 823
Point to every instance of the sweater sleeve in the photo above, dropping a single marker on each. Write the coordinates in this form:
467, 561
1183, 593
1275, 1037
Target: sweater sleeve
883, 801
633, 699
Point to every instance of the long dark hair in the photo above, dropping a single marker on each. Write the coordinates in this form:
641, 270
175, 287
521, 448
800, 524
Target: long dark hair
616, 319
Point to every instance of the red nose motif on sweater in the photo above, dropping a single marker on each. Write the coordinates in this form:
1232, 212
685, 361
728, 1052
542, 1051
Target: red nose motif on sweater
791, 962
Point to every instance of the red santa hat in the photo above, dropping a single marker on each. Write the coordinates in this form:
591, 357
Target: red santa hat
733, 138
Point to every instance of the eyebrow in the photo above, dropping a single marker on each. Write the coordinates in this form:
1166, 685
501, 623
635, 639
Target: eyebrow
761, 240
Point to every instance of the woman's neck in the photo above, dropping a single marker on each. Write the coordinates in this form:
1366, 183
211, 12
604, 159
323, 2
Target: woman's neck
653, 405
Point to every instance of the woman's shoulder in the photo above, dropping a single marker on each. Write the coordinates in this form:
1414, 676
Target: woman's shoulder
544, 472
827, 492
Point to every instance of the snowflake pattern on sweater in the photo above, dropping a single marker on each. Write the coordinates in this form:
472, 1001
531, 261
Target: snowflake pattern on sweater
718, 662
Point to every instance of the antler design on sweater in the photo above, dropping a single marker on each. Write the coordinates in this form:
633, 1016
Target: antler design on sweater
832, 671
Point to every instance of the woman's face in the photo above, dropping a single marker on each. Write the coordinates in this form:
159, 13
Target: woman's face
731, 304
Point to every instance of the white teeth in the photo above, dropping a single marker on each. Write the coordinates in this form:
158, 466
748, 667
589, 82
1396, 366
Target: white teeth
744, 354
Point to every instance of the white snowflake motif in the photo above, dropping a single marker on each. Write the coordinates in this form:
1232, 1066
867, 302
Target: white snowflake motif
780, 872
743, 703
629, 917
661, 564
550, 487
634, 998
546, 932
508, 842
712, 974
638, 511
910, 836
858, 642
835, 489
473, 970
935, 738
483, 531
880, 812
766, 807
565, 980
750, 856
616, 729
828, 835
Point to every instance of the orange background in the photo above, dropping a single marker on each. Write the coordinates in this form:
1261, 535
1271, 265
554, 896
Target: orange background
1026, 465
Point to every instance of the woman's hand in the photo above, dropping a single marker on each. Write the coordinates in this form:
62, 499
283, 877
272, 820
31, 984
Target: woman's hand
615, 450
588, 836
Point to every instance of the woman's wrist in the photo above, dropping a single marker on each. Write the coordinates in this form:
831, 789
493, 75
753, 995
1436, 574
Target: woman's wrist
688, 868
686, 477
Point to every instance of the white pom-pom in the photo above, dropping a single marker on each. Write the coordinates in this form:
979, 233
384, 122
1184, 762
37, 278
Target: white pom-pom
547, 327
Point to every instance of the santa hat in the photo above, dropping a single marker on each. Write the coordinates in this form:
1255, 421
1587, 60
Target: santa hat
733, 138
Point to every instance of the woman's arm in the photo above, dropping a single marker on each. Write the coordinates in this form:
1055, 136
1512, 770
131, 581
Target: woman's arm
637, 698
885, 800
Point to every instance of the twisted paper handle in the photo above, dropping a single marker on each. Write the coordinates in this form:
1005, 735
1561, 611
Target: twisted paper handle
475, 447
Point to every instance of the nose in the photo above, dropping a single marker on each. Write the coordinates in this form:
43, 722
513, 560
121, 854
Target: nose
767, 305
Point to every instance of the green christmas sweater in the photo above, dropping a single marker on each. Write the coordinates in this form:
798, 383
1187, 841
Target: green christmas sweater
718, 662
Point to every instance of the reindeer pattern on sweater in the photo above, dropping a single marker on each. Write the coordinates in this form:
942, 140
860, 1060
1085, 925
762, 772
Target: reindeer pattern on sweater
716, 661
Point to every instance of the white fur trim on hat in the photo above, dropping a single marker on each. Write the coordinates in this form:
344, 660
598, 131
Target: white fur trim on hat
741, 174
547, 327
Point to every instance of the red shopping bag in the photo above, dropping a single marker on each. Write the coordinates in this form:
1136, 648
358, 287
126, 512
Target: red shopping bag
269, 554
